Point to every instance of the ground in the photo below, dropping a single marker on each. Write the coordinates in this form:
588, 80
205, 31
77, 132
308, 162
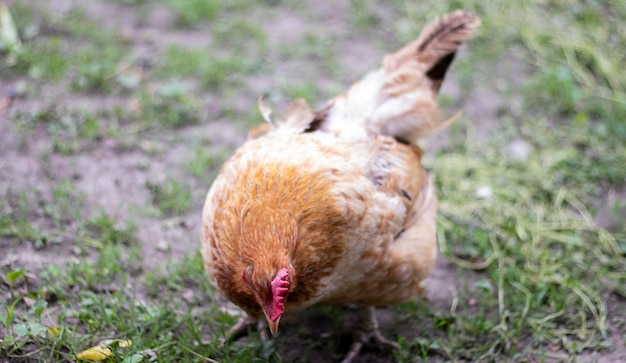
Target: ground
116, 115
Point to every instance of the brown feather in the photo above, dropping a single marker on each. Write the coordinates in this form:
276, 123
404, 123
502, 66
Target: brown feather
266, 222
436, 46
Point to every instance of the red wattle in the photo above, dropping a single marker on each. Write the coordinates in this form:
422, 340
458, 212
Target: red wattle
280, 287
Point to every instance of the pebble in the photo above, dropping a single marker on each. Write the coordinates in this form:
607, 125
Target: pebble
518, 150
484, 192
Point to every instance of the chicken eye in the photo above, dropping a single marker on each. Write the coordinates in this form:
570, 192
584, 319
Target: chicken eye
247, 274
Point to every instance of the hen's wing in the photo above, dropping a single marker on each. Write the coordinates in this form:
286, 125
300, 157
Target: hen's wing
392, 244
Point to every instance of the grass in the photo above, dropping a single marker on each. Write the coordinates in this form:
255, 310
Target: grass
536, 237
317, 47
94, 54
205, 162
214, 73
549, 267
171, 105
70, 130
170, 197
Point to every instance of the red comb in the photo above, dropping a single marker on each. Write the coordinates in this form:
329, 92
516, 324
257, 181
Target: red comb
280, 286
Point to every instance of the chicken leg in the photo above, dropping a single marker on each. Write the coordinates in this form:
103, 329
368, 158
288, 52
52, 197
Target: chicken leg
366, 332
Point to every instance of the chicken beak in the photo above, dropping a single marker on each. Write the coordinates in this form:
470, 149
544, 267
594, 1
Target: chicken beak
273, 325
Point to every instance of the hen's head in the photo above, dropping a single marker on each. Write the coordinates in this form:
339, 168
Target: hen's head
269, 293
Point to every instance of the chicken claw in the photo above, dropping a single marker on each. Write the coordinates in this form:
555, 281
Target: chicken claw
241, 328
368, 331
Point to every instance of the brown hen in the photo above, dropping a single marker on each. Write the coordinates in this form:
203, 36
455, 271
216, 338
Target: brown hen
334, 207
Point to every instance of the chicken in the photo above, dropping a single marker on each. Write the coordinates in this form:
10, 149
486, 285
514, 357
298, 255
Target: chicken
334, 206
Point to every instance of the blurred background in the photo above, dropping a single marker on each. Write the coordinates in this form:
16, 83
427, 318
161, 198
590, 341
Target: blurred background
115, 116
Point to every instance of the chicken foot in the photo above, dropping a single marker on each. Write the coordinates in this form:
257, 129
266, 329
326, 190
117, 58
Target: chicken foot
366, 332
241, 328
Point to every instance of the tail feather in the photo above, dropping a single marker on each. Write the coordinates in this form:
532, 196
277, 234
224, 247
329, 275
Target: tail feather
399, 99
436, 46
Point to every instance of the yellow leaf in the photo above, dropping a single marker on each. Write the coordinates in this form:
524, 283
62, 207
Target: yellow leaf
54, 331
96, 353
125, 343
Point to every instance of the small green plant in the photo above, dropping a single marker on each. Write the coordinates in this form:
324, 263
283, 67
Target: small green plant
16, 220
95, 69
364, 14
205, 162
555, 88
105, 228
43, 59
70, 130
65, 205
171, 105
192, 12
170, 197
178, 61
241, 35
227, 70
315, 46
212, 71
89, 64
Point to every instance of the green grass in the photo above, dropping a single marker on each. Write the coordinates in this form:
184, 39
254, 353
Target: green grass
171, 105
364, 15
75, 49
215, 72
205, 162
70, 130
170, 197
537, 242
315, 46
192, 12
549, 268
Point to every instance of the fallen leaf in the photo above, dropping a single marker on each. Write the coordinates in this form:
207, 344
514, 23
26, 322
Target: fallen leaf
102, 351
97, 353
54, 331
554, 348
